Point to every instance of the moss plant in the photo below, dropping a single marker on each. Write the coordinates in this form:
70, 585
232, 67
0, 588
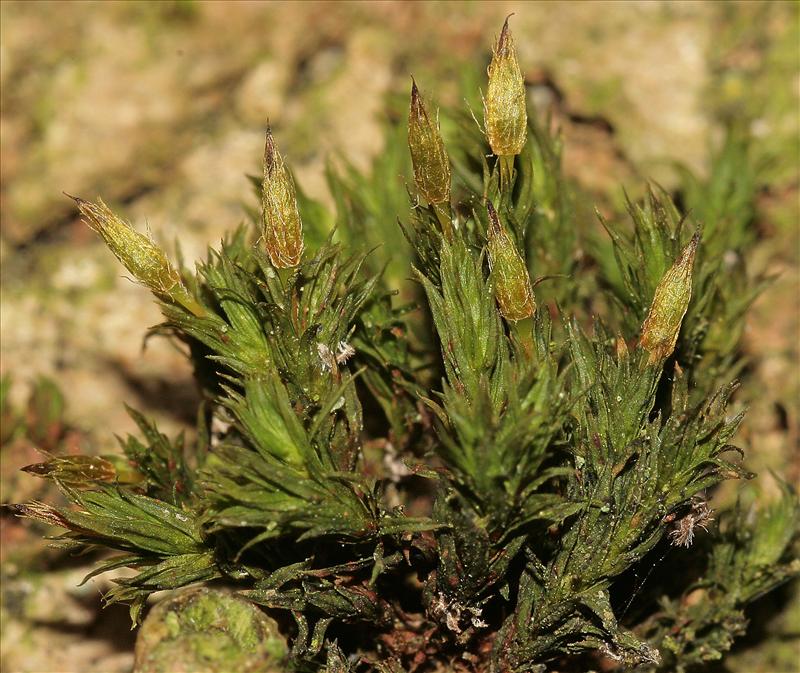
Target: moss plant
457, 471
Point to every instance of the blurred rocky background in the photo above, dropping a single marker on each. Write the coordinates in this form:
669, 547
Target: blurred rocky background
160, 108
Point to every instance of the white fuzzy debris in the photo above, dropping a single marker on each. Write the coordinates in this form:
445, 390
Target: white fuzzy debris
344, 351
395, 468
611, 653
452, 613
644, 653
682, 534
451, 619
326, 358
477, 622
219, 428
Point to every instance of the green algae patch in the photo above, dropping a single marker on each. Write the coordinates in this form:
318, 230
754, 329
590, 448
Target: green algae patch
208, 631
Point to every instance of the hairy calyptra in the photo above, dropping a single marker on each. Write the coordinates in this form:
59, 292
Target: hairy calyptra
670, 302
505, 111
512, 284
428, 154
283, 229
138, 254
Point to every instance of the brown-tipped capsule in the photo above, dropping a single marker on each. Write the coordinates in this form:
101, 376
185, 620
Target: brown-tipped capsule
283, 230
505, 112
39, 511
512, 285
75, 470
670, 302
428, 154
138, 254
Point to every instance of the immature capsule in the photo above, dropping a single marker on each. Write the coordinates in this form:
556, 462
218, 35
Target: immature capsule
138, 254
505, 112
283, 230
512, 284
670, 303
74, 470
428, 154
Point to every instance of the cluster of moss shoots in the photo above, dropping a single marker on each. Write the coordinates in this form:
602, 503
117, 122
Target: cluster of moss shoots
418, 458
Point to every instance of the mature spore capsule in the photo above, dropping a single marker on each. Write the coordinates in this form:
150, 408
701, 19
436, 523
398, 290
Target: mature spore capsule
138, 254
670, 302
512, 284
428, 154
283, 229
505, 113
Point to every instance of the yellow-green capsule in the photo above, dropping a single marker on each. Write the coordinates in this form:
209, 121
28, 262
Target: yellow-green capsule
138, 254
505, 112
283, 230
670, 303
428, 154
512, 284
